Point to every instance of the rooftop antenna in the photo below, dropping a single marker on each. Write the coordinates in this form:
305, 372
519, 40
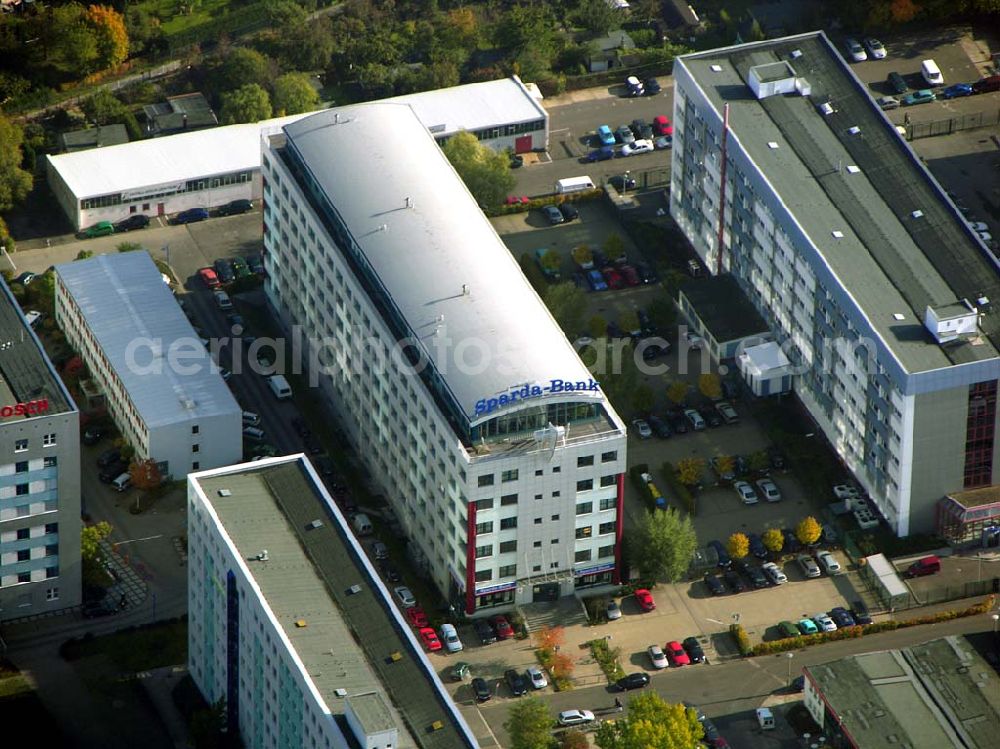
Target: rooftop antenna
409, 202
262, 557
465, 289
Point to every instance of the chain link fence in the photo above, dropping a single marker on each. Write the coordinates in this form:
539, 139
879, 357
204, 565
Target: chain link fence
949, 125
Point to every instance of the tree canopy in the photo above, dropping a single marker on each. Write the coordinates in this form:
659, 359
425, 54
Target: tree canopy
652, 723
485, 172
293, 93
15, 182
529, 725
567, 303
249, 103
663, 544
90, 539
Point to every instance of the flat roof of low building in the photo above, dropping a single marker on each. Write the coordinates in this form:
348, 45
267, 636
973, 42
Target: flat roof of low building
879, 220
26, 373
346, 639
473, 106
101, 136
931, 696
140, 328
724, 309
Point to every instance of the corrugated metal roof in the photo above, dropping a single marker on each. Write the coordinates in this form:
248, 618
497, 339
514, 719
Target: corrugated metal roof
131, 312
456, 286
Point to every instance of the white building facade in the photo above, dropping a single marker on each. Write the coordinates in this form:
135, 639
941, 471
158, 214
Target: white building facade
160, 385
491, 440
844, 242
39, 476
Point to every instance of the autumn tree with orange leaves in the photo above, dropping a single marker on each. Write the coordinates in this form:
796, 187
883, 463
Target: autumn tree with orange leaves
108, 26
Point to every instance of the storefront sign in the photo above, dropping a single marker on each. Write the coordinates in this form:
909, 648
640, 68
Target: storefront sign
525, 392
594, 570
23, 409
495, 588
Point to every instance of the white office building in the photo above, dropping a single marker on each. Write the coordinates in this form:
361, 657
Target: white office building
289, 623
485, 431
160, 385
39, 476
876, 289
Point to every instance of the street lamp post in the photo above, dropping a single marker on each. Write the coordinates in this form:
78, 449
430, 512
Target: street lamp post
789, 657
995, 618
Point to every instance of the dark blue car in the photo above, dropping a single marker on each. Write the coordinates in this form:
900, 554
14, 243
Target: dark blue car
956, 90
191, 215
596, 280
725, 561
601, 154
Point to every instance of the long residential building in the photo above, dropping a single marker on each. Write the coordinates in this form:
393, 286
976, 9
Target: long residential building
879, 293
39, 476
159, 382
290, 625
471, 410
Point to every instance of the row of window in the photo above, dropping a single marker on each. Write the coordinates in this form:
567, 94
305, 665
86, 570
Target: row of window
25, 577
23, 445
104, 201
587, 531
510, 570
585, 508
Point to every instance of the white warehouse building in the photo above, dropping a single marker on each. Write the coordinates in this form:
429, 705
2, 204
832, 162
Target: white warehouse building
209, 168
289, 623
160, 385
498, 451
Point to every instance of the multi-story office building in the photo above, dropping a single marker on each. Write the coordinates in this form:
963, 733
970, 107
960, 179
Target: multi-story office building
290, 624
160, 385
865, 271
39, 476
482, 427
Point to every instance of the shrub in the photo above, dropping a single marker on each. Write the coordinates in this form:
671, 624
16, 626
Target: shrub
742, 639
679, 490
607, 658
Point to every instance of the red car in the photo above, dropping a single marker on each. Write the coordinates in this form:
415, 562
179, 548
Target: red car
430, 638
613, 278
416, 616
630, 274
517, 200
209, 277
662, 126
645, 600
677, 655
502, 627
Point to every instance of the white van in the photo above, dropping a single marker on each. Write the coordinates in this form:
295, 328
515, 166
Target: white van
450, 636
574, 184
931, 73
280, 387
253, 433
222, 299
765, 718
362, 525
123, 482
250, 419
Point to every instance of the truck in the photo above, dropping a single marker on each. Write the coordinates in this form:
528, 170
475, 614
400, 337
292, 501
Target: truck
654, 492
280, 387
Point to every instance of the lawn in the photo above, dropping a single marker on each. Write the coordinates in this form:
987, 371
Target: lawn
174, 20
161, 644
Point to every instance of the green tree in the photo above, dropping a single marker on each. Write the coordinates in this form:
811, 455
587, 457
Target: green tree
617, 373
551, 262
309, 45
597, 16
738, 545
598, 327
582, 255
103, 108
690, 470
677, 391
69, 43
485, 172
529, 725
652, 723
614, 247
249, 103
808, 530
90, 540
710, 386
758, 461
84, 255
110, 35
285, 14
240, 67
567, 303
773, 539
15, 182
293, 93
663, 544
662, 313
725, 464
643, 398
574, 740
629, 322
533, 273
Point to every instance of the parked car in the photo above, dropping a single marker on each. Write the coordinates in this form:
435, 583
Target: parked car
517, 684
502, 627
792, 544
842, 617
887, 103
100, 229
25, 278
725, 470
957, 89
613, 278
389, 572
651, 86
190, 216
714, 585
108, 458
875, 48
634, 86
926, 566
725, 561
450, 636
855, 51
662, 125
727, 412
734, 581
658, 425
481, 689
860, 612
256, 264
646, 273
757, 547
629, 275
459, 671
575, 717
224, 270
624, 135
657, 657
677, 654
662, 142
645, 599
923, 96
769, 490
234, 207
808, 565
753, 573
621, 183
380, 550
745, 492
641, 129
898, 83
807, 627
604, 153
596, 280
112, 471
136, 221
430, 639
824, 622
829, 563
632, 681
537, 678
774, 573
485, 632
639, 146
92, 435
642, 429
694, 650
788, 629
776, 457
405, 596
569, 211
552, 215
605, 137
613, 611
678, 422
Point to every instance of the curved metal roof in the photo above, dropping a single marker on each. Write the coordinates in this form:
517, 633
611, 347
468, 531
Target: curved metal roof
455, 284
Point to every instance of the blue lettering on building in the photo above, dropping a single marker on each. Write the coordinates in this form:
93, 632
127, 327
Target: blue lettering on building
525, 392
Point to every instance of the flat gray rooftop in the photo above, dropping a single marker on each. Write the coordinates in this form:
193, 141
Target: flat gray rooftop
722, 306
26, 374
933, 696
889, 261
349, 640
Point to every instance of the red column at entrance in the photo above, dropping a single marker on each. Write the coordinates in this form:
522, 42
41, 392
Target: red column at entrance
470, 559
619, 529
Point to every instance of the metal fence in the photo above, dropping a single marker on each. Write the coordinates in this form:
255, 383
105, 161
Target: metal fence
950, 125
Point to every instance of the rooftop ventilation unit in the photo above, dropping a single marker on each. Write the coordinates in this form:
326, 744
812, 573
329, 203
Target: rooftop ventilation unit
225, 493
852, 169
854, 130
316, 524
354, 589
340, 692
837, 234
776, 78
715, 68
951, 322
795, 54
262, 557
898, 317
772, 144
917, 213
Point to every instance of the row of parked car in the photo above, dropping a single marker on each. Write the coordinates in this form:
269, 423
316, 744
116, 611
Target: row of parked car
767, 573
226, 270
141, 221
634, 138
827, 621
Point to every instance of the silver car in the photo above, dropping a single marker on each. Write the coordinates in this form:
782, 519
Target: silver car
769, 490
657, 657
747, 495
824, 622
808, 565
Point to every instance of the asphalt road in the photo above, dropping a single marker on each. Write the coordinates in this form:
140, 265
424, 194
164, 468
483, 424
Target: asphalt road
736, 686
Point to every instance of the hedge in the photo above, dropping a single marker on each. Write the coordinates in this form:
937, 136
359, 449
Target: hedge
607, 659
679, 490
848, 633
544, 200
